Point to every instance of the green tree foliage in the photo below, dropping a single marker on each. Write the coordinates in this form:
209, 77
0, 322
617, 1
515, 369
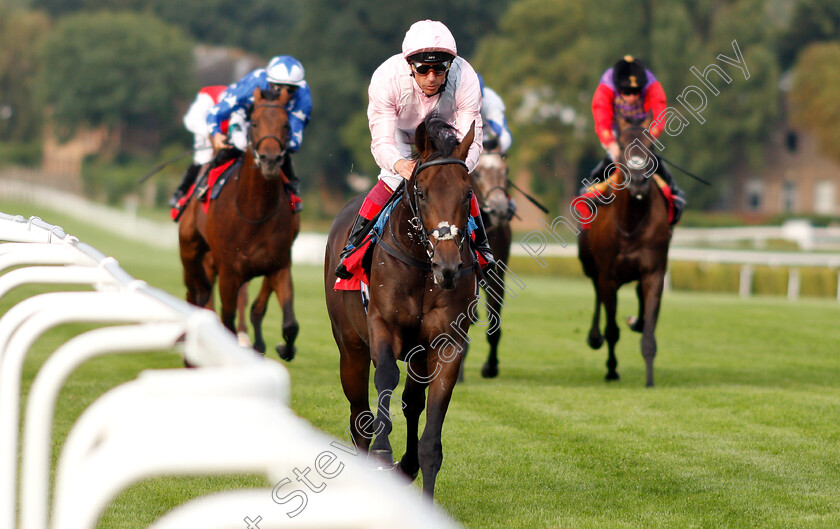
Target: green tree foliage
816, 106
812, 21
21, 34
340, 52
121, 70
549, 56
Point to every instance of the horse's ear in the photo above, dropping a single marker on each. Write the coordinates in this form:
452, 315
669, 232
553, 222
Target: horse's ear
463, 148
257, 95
422, 141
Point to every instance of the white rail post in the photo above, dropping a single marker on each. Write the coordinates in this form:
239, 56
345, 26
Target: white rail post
745, 287
794, 282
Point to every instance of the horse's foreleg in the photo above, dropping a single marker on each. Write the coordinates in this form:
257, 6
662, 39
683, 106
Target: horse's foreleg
607, 293
414, 398
241, 305
229, 292
282, 283
595, 339
258, 313
430, 449
652, 286
637, 323
386, 376
355, 377
495, 297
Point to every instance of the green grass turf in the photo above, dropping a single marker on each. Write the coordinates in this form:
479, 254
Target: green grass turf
740, 431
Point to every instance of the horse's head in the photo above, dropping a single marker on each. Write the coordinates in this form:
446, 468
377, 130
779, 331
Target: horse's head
269, 131
439, 194
489, 180
637, 157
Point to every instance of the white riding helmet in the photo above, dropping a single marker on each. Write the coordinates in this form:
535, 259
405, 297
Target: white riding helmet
285, 69
428, 36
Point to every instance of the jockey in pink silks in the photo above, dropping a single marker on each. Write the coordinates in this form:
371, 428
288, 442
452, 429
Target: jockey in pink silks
427, 76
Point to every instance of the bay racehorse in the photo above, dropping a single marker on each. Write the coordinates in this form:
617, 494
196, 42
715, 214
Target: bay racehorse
628, 241
248, 229
422, 284
490, 183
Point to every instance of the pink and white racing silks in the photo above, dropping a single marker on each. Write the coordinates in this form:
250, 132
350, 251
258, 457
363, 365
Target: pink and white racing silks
397, 106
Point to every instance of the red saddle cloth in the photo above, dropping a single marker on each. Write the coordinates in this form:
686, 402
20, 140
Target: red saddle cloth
585, 212
295, 202
353, 263
211, 181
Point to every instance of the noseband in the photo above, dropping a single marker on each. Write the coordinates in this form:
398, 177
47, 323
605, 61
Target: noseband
256, 145
444, 231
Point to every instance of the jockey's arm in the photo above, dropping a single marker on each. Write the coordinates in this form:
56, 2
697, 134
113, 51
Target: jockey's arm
299, 117
383, 94
467, 111
602, 113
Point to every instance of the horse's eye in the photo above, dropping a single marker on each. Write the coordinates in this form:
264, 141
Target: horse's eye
255, 124
420, 195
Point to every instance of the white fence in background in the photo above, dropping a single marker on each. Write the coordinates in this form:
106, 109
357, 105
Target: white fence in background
309, 247
747, 259
229, 415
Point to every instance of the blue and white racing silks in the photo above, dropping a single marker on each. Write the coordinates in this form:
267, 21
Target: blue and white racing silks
240, 97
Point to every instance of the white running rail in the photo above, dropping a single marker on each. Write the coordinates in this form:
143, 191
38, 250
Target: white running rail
229, 415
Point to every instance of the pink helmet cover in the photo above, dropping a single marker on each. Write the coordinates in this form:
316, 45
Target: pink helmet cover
428, 35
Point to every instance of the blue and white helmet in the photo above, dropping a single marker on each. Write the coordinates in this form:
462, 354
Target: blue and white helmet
285, 69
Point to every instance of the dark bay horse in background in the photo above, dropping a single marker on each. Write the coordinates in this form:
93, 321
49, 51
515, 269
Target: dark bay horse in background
248, 230
422, 283
490, 183
628, 241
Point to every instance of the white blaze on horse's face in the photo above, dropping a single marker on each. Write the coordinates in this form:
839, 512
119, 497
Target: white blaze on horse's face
445, 231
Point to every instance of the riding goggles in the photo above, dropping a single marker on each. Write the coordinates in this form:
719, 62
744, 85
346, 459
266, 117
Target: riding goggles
290, 88
423, 68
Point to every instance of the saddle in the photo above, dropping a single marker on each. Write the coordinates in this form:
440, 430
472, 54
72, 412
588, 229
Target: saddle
598, 190
212, 180
358, 262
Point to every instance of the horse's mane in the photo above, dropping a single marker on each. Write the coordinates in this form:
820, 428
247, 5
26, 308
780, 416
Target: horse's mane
441, 134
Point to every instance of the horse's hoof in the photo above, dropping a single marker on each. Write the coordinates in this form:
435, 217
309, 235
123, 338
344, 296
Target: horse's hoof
595, 341
259, 347
382, 460
243, 339
635, 323
411, 475
489, 371
286, 352
612, 376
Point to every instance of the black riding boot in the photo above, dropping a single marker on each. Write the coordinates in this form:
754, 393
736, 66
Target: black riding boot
482, 245
676, 191
293, 186
361, 226
186, 181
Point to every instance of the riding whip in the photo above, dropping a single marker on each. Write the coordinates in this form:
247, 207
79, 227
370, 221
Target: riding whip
162, 165
529, 197
675, 166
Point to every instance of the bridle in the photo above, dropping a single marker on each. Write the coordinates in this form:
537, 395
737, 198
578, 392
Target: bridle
254, 152
256, 145
444, 231
484, 197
